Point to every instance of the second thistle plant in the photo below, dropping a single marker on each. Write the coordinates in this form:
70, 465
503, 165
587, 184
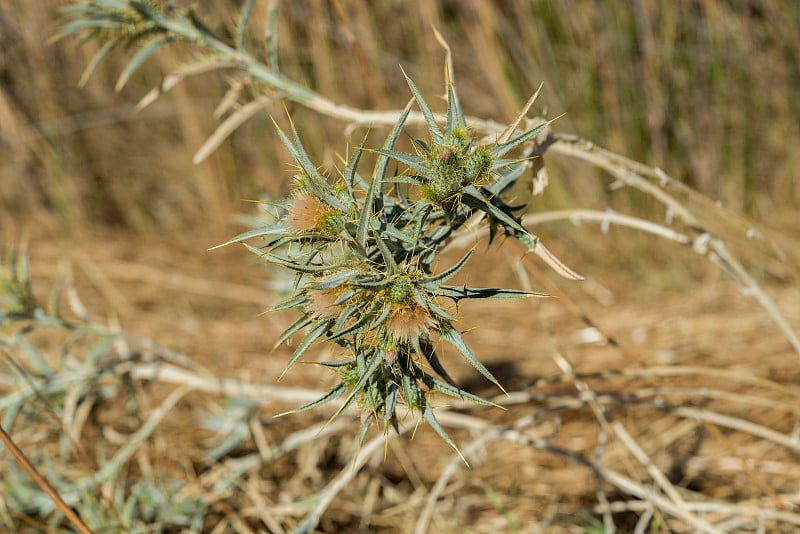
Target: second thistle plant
362, 252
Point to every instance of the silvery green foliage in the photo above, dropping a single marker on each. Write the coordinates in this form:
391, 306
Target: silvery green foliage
362, 250
88, 368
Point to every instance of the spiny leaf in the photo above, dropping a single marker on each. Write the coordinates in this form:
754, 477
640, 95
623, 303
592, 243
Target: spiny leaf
362, 432
435, 132
350, 169
426, 303
344, 297
317, 182
475, 200
299, 267
286, 142
290, 302
386, 254
427, 415
329, 396
334, 280
451, 391
278, 228
415, 163
375, 185
345, 405
506, 172
425, 348
439, 311
402, 179
414, 395
500, 149
343, 316
321, 188
375, 359
381, 318
299, 324
84, 24
312, 336
432, 282
394, 233
361, 324
422, 145
419, 218
369, 281
337, 363
463, 292
455, 117
303, 160
366, 214
453, 336
390, 403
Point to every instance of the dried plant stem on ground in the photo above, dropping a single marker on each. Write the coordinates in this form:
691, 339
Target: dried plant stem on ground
361, 254
528, 430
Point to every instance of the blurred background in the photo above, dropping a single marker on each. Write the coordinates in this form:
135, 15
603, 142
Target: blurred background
707, 90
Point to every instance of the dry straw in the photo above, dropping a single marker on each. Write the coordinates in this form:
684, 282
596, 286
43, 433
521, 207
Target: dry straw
361, 253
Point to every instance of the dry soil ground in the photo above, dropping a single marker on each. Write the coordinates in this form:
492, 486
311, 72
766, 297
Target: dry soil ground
677, 354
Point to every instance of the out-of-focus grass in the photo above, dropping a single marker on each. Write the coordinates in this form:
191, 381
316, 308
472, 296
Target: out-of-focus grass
706, 90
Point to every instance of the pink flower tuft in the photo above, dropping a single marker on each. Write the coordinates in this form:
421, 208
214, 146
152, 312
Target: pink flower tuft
305, 212
322, 302
409, 322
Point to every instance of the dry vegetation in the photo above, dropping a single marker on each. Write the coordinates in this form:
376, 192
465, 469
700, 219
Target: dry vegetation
657, 396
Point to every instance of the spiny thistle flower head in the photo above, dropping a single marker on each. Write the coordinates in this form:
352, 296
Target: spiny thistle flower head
363, 255
400, 291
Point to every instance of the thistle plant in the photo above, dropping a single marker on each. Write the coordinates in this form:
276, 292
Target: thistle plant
362, 247
363, 252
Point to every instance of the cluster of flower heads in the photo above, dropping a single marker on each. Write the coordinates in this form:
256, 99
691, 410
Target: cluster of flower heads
362, 250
